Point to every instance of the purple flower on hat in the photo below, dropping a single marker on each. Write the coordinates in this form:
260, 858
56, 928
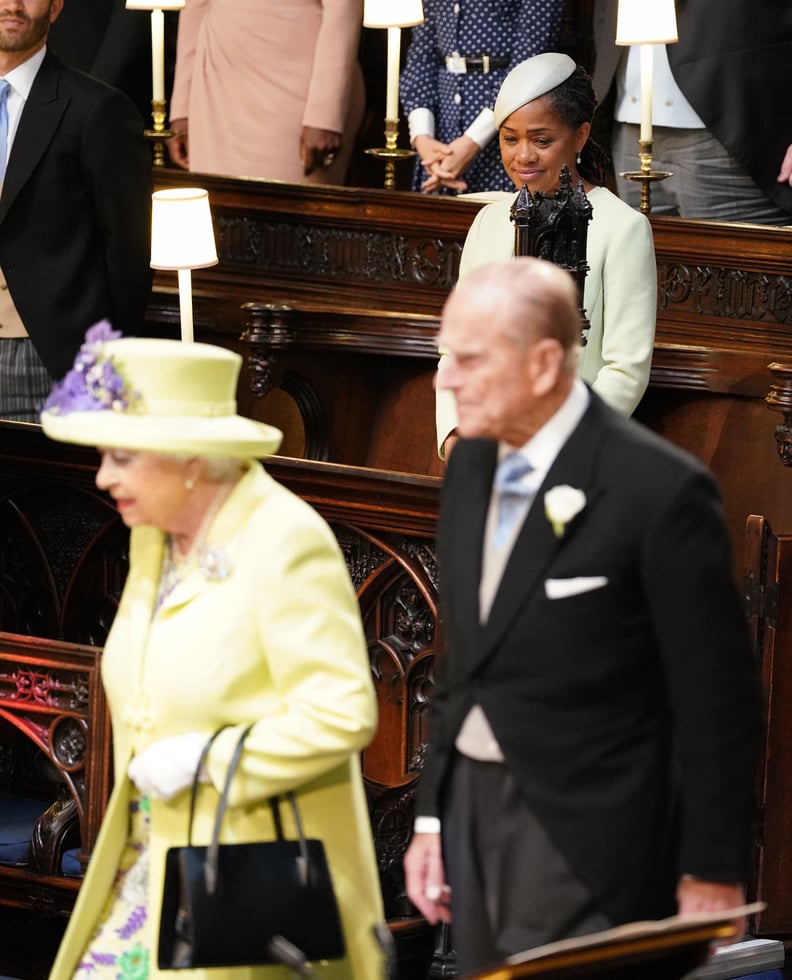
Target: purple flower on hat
93, 384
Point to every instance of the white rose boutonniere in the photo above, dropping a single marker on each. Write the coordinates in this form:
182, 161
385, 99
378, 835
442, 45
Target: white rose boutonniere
562, 503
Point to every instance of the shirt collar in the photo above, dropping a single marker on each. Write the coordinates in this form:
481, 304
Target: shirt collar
22, 77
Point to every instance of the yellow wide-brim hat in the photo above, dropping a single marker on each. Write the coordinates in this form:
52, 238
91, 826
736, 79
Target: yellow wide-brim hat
530, 80
162, 396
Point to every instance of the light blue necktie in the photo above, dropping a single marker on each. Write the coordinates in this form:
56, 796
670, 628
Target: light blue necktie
512, 493
4, 90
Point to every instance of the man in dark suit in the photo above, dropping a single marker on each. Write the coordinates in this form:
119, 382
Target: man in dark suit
74, 210
594, 724
723, 132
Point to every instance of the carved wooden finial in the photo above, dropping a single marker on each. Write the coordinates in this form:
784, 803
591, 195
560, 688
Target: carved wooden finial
779, 398
555, 227
267, 334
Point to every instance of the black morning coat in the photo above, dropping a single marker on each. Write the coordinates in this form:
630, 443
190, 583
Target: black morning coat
75, 211
628, 714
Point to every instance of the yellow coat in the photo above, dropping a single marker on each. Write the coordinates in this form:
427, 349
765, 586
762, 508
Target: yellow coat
279, 643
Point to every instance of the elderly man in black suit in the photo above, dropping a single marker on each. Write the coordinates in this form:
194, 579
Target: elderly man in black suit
594, 725
74, 209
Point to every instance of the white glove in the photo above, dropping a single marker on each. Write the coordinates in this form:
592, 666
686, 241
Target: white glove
168, 766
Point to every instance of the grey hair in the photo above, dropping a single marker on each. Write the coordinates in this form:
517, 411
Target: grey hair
217, 469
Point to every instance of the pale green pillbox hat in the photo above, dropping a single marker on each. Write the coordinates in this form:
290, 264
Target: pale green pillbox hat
529, 80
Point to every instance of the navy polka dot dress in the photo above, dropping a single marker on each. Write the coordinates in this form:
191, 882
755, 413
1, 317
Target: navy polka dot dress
511, 29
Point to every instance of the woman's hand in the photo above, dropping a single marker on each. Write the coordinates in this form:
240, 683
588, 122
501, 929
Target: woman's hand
318, 148
178, 145
446, 162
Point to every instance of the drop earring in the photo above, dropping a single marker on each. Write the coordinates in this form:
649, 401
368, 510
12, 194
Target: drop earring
578, 159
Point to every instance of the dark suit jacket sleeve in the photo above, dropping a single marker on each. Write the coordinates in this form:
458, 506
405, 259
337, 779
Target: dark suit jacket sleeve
117, 164
712, 681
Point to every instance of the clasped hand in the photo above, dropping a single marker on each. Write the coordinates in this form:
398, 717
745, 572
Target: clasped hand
446, 162
166, 767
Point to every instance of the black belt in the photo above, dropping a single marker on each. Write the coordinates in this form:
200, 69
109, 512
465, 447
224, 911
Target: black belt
460, 65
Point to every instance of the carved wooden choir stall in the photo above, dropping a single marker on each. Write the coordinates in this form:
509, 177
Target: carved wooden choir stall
333, 296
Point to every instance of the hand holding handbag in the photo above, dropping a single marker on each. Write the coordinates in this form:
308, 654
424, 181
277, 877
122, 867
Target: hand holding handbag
248, 904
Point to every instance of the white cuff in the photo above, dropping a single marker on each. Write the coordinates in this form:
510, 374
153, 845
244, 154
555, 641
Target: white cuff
482, 129
421, 123
427, 825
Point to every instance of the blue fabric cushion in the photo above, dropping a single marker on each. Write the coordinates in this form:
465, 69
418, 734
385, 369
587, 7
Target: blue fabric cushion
18, 816
70, 865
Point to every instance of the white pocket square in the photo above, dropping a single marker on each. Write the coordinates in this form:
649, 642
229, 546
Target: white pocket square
562, 588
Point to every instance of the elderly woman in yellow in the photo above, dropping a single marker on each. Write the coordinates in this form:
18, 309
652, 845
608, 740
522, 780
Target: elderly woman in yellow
238, 609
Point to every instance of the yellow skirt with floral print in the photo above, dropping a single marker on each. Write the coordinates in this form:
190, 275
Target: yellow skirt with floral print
118, 949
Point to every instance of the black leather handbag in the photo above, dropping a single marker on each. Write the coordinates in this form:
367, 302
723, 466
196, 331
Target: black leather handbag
248, 904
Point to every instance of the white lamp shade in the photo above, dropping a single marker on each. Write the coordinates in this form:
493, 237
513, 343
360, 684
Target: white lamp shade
646, 22
155, 4
392, 13
182, 236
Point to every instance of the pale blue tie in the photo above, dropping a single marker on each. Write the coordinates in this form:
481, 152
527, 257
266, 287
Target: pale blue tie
4, 89
512, 494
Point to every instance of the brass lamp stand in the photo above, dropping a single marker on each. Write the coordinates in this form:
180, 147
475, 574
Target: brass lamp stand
159, 134
646, 175
644, 25
392, 15
390, 153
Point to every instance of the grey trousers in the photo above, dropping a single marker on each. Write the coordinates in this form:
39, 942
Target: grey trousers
706, 182
511, 890
24, 381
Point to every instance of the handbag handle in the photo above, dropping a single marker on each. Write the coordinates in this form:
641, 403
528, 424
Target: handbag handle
196, 781
213, 851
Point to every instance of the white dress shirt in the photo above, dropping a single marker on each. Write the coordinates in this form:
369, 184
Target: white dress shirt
669, 105
475, 738
21, 81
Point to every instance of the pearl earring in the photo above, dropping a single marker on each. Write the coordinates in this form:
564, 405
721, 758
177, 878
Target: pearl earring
189, 484
578, 159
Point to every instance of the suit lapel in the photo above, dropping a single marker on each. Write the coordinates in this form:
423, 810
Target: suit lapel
537, 545
38, 124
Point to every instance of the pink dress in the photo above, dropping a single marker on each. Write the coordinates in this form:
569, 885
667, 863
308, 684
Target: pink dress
251, 73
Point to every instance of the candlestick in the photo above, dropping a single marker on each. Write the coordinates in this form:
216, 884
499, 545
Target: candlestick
157, 55
647, 72
393, 14
159, 114
646, 24
394, 54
